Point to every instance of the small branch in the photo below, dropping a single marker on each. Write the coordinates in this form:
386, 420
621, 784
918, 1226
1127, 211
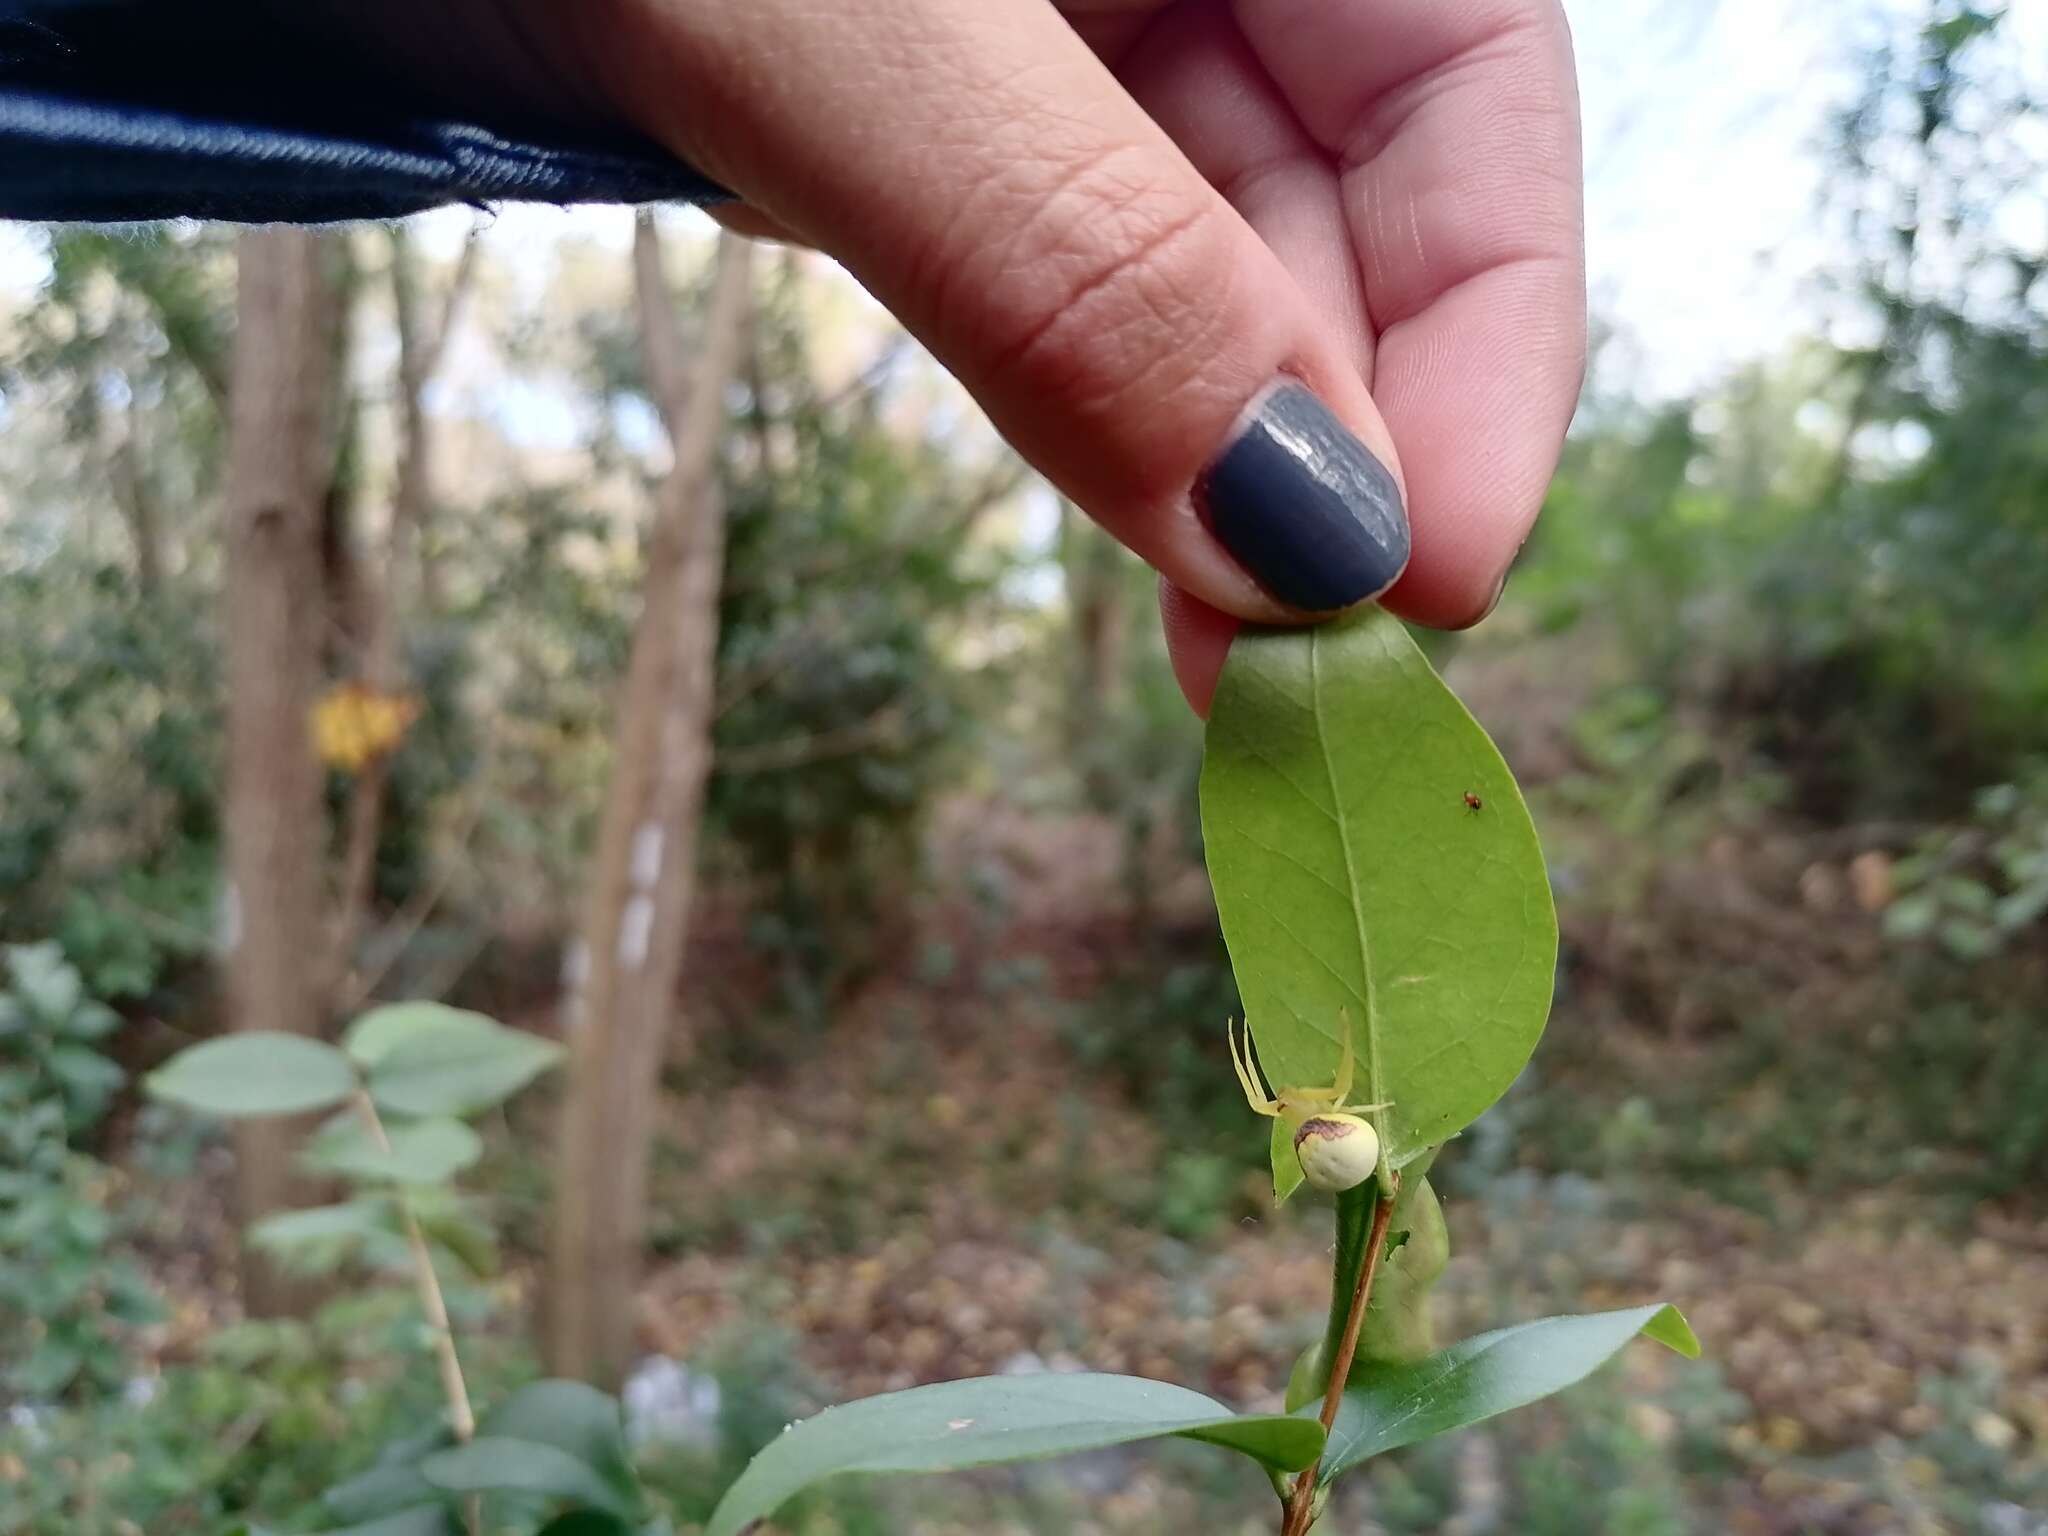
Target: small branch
451, 306
1301, 1505
662, 347
414, 915
432, 1302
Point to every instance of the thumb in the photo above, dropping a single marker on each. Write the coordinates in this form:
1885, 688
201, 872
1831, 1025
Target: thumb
982, 173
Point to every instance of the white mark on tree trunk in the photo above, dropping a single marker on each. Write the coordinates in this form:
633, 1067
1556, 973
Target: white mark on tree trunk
644, 868
228, 920
636, 927
575, 972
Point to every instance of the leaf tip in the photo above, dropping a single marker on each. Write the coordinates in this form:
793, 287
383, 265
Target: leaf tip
1669, 1328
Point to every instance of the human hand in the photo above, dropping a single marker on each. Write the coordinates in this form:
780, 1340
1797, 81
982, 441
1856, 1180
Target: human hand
1122, 223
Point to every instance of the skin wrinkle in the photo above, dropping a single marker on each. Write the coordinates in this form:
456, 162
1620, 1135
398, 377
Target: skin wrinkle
1381, 122
1094, 237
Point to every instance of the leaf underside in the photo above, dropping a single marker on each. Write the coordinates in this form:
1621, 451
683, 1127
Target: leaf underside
993, 1419
1355, 879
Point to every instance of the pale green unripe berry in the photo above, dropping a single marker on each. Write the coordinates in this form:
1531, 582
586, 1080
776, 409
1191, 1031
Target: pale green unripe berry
1337, 1152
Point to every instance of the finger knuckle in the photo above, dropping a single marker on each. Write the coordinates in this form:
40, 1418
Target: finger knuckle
1107, 287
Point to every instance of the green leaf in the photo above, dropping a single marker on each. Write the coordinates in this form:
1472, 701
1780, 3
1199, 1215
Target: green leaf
84, 1070
257, 1072
381, 1491
1353, 878
421, 1520
48, 981
586, 1522
490, 1464
323, 1231
995, 1419
370, 1038
421, 1151
91, 1021
575, 1418
458, 1066
1386, 1407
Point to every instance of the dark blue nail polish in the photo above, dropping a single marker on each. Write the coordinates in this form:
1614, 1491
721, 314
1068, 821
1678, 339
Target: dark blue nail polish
1304, 506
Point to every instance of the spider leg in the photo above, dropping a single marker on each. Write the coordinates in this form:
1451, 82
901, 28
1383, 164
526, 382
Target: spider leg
1247, 1071
1342, 1090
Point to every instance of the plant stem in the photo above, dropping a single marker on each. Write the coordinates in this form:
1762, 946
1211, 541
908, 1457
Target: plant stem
1301, 1506
460, 1415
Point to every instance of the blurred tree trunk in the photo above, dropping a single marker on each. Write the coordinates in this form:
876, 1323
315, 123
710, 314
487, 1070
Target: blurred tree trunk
277, 475
138, 503
1095, 593
378, 606
619, 1011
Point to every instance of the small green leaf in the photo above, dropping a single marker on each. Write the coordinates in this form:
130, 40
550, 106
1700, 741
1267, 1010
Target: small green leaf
421, 1151
1389, 1406
323, 1229
421, 1520
85, 1071
372, 1035
381, 1491
91, 1021
254, 1073
575, 1418
995, 1419
490, 1464
458, 1066
46, 979
1355, 878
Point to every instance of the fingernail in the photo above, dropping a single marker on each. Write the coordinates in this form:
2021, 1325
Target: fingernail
1304, 506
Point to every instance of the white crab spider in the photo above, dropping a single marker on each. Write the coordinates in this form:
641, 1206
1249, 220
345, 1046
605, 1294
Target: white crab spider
1337, 1147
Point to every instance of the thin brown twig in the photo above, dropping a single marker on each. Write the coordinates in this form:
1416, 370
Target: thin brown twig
1301, 1505
413, 916
461, 1416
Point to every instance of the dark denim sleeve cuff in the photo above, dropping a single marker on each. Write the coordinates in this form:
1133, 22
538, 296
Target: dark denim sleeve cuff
118, 110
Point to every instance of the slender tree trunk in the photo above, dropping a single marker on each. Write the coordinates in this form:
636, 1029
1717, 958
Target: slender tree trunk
618, 1015
382, 604
1101, 635
277, 470
138, 501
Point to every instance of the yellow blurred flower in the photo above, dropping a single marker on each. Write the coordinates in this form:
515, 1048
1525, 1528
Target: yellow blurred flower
355, 725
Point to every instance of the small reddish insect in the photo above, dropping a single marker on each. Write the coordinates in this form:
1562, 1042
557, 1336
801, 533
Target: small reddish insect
1473, 802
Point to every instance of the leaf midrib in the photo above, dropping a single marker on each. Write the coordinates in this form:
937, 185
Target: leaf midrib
1368, 1001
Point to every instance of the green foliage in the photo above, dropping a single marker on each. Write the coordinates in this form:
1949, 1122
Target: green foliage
415, 1059
457, 1064
1979, 888
959, 1424
69, 1298
419, 1152
1387, 1406
109, 732
549, 1445
553, 1452
50, 1032
1355, 879
255, 1073
850, 560
262, 1418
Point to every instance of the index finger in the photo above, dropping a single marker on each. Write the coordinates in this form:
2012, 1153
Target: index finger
1456, 129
